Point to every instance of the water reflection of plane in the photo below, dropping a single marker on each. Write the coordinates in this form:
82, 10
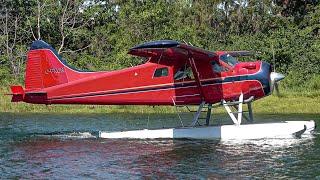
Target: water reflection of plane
166, 159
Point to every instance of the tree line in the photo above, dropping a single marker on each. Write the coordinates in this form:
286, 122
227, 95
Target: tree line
96, 34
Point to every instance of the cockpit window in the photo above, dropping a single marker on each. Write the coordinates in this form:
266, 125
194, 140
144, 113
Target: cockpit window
216, 67
227, 58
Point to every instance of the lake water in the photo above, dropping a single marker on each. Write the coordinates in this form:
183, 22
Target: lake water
65, 146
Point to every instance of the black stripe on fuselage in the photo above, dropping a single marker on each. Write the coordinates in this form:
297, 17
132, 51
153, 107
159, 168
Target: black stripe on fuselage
185, 85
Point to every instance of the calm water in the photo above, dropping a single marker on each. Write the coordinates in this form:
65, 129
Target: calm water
47, 146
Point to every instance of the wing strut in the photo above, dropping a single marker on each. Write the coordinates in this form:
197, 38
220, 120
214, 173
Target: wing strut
196, 75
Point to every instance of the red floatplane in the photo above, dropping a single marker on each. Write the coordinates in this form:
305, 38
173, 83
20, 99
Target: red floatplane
174, 74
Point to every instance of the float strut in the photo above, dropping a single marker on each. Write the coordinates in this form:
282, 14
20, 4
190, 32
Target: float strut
196, 116
240, 112
208, 114
235, 120
250, 112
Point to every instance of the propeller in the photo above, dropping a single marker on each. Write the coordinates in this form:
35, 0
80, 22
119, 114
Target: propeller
275, 79
274, 76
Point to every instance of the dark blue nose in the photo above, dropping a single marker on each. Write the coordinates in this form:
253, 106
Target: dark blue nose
264, 77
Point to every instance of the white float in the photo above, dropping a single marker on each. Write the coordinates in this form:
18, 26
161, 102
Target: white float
286, 129
237, 131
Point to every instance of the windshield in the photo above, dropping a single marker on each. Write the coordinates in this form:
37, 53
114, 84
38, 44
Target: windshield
227, 58
217, 67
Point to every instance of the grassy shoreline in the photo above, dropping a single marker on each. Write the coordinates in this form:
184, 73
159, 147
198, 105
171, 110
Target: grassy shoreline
288, 102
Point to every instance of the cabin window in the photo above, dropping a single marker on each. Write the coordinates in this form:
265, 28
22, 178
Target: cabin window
161, 72
184, 72
216, 67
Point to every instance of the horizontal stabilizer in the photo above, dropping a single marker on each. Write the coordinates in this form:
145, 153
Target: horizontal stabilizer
17, 93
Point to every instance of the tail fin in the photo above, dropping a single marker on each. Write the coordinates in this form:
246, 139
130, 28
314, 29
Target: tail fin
44, 68
17, 93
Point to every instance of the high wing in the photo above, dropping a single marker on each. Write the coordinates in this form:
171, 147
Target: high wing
167, 47
153, 48
156, 48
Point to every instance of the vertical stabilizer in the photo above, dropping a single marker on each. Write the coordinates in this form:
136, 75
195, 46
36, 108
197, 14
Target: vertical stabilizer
44, 67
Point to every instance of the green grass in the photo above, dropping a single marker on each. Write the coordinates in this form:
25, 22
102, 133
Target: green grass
288, 102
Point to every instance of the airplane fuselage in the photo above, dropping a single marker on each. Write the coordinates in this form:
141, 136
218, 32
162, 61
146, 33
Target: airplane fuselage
168, 79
